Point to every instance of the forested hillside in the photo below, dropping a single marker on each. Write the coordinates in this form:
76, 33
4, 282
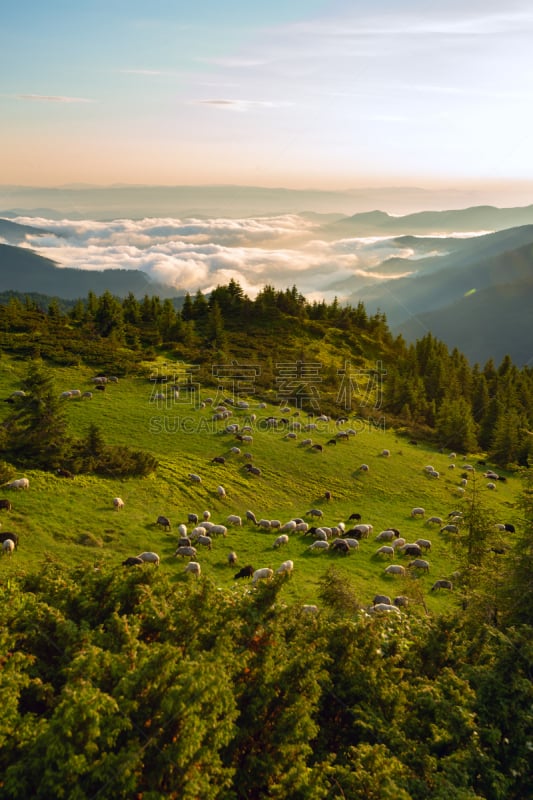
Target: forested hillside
425, 388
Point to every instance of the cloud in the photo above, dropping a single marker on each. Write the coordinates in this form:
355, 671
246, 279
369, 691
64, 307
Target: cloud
191, 254
54, 98
242, 105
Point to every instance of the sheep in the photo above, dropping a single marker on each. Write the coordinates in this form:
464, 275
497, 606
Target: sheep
251, 517
364, 468
492, 475
434, 521
463, 482
384, 607
314, 512
317, 447
385, 550
395, 569
491, 485
193, 567
65, 395
218, 530
8, 545
309, 608
399, 542
206, 541
385, 536
425, 544
150, 557
385, 453
101, 388
400, 601
200, 530
353, 544
285, 568
434, 473
263, 574
192, 519
244, 572
218, 460
319, 545
235, 450
164, 522
6, 505
264, 523
132, 561
340, 545
441, 584
232, 558
510, 528
194, 478
184, 541
63, 473
221, 491
234, 519
290, 526
417, 512
20, 483
411, 550
87, 396
419, 563
275, 524
499, 526
186, 552
11, 536
449, 529
355, 516
118, 503
283, 539
381, 598
182, 529
254, 470
363, 529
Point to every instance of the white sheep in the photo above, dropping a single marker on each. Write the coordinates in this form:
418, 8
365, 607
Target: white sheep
399, 542
218, 530
425, 544
19, 483
491, 485
118, 503
353, 544
319, 545
263, 574
434, 521
288, 527
8, 545
384, 607
364, 468
386, 536
235, 450
206, 541
395, 569
418, 511
221, 491
206, 516
283, 539
301, 527
234, 519
150, 557
186, 552
194, 478
194, 568
419, 563
285, 568
182, 529
264, 523
385, 550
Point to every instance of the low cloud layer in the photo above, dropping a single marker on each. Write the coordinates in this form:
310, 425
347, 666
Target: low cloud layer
194, 253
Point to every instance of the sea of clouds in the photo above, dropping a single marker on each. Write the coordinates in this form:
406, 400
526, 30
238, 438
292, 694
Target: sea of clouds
195, 253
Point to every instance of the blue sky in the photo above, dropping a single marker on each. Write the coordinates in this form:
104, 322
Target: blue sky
299, 93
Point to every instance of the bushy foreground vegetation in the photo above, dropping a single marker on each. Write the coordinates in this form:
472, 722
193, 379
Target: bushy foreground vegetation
125, 684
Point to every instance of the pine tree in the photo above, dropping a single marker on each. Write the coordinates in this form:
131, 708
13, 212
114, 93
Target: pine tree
455, 425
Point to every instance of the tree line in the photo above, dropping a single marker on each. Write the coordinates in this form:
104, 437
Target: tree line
428, 390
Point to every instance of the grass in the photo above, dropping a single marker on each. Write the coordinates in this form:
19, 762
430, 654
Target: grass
73, 521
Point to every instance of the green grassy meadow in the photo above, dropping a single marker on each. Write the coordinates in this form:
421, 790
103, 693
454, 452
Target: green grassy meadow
74, 522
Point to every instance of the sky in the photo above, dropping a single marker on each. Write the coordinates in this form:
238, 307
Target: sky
294, 93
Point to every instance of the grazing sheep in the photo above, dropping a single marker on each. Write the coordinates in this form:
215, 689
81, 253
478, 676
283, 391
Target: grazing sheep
319, 545
395, 569
385, 453
401, 601
314, 512
417, 512
251, 517
419, 563
20, 483
425, 544
434, 521
386, 536
510, 528
290, 526
441, 584
275, 524
234, 519
221, 491
118, 503
205, 541
341, 546
218, 460
364, 468
184, 541
399, 542
263, 574
385, 550
182, 529
353, 544
12, 536
309, 608
186, 552
65, 395
232, 558
101, 388
449, 529
132, 561
8, 545
192, 519
244, 572
434, 473
285, 568
283, 539
464, 482
381, 598
491, 485
150, 557
355, 516
218, 530
194, 478
363, 529
411, 550
164, 522
235, 450
384, 607
193, 567
6, 505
